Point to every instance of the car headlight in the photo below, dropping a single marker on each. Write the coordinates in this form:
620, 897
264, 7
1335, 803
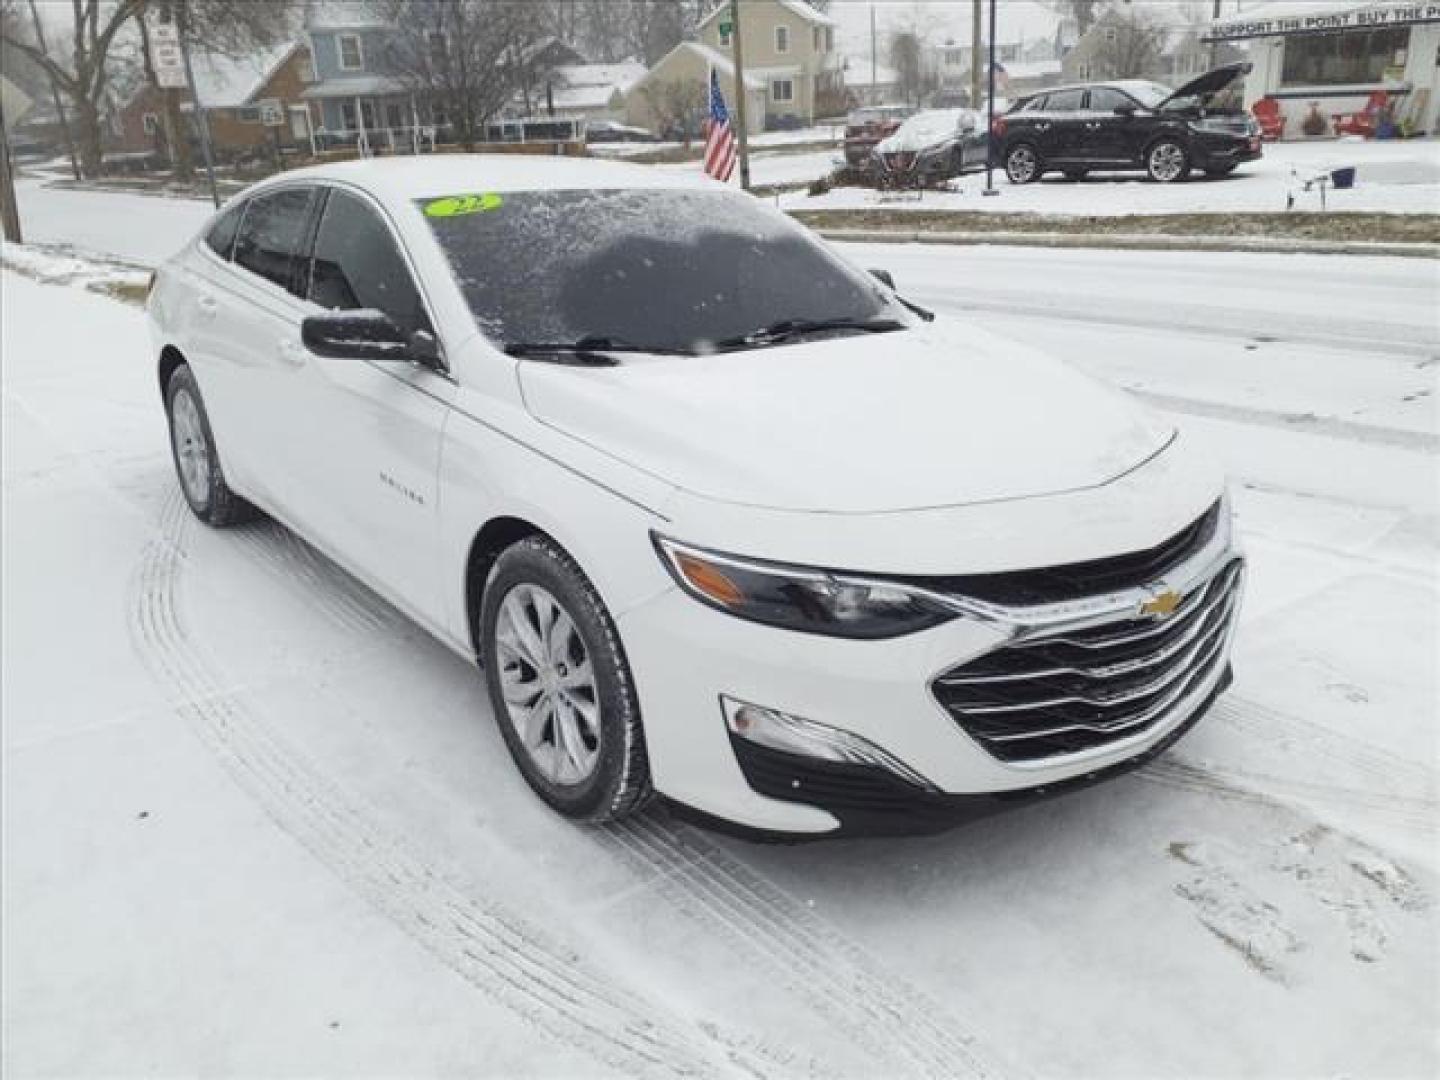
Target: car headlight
1215, 127
800, 598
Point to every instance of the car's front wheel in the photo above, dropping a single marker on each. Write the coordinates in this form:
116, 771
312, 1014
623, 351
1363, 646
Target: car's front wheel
197, 461
1022, 164
1167, 162
560, 685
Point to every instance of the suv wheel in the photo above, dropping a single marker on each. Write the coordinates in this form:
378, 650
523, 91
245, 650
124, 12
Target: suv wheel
560, 685
197, 462
1022, 164
1167, 162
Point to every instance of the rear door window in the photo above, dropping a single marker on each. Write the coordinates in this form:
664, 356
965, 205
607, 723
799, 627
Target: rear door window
357, 264
1064, 101
221, 237
272, 237
1107, 100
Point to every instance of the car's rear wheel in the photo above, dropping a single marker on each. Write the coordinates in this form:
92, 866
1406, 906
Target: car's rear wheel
560, 685
1167, 162
1022, 164
197, 461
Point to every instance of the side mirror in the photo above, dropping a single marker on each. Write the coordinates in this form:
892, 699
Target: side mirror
882, 276
1125, 110
368, 335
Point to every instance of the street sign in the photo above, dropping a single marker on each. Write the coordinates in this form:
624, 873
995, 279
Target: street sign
165, 54
272, 112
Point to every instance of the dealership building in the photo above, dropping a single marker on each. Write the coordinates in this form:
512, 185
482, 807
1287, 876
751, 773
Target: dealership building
1330, 56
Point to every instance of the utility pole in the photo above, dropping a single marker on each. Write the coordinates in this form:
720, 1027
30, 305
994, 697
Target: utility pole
990, 188
9, 210
874, 63
55, 93
740, 95
1215, 45
975, 55
202, 121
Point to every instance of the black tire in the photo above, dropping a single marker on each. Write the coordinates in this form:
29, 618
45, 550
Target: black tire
1167, 161
1076, 175
192, 447
619, 781
1023, 164
1221, 171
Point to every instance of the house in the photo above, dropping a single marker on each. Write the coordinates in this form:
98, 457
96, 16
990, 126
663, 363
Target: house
789, 50
1157, 43
1015, 76
357, 100
589, 92
670, 98
872, 83
1326, 58
238, 95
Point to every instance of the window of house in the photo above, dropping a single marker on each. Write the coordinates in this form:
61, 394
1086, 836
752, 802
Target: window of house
782, 90
439, 46
248, 115
1356, 56
150, 122
272, 235
829, 39
815, 39
352, 55
1111, 35
358, 265
782, 39
306, 68
394, 115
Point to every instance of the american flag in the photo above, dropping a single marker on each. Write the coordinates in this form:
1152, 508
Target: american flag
719, 138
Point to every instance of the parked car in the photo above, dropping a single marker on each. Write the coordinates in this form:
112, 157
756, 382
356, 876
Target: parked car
603, 131
750, 531
931, 147
866, 127
1129, 124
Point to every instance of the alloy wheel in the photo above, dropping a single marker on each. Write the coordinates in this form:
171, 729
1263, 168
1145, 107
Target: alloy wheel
548, 685
1020, 165
192, 452
1167, 162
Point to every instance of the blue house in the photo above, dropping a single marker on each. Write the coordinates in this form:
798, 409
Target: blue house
359, 102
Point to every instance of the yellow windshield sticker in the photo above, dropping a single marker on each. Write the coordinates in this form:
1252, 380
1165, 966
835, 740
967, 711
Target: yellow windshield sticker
455, 205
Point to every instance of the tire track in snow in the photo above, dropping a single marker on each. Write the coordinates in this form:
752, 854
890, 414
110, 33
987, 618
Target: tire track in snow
897, 1023
500, 954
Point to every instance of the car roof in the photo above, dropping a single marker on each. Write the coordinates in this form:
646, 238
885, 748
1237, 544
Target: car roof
1109, 84
402, 179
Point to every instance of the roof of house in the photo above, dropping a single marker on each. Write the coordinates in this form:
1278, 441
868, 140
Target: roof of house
859, 74
224, 82
342, 15
797, 7
712, 57
591, 86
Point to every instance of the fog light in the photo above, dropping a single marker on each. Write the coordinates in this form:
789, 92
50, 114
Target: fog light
807, 738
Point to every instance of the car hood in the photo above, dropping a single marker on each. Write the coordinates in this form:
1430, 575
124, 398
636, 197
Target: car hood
1212, 82
928, 417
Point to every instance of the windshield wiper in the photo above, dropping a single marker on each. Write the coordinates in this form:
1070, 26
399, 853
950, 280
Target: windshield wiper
589, 350
791, 328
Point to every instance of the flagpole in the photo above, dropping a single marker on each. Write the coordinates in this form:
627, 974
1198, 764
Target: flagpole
990, 188
740, 96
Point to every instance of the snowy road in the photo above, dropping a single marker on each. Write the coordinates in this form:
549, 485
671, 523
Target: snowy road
256, 823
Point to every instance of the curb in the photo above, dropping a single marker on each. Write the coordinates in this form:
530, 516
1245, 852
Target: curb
1138, 242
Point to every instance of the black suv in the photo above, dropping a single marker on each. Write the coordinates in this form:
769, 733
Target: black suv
1130, 124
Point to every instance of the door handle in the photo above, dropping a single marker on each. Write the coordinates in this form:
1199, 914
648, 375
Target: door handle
290, 352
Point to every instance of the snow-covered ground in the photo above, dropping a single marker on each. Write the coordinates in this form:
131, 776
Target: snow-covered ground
255, 823
1395, 177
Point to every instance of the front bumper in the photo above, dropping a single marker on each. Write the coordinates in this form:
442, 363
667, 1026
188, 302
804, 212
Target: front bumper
1219, 151
686, 657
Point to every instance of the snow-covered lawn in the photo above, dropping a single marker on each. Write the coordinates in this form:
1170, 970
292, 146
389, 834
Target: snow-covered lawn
1397, 177
255, 823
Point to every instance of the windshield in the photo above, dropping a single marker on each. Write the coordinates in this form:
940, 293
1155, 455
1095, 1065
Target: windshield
669, 270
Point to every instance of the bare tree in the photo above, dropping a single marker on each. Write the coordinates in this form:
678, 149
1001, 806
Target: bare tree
1084, 12
462, 58
93, 28
1133, 49
906, 53
676, 103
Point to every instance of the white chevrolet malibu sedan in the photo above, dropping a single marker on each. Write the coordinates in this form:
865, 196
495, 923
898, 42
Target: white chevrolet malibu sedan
722, 518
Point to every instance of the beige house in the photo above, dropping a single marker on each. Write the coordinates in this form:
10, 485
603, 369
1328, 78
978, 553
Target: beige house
790, 56
671, 98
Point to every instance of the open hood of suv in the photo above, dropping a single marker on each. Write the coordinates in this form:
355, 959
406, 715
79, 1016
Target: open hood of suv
1212, 82
929, 417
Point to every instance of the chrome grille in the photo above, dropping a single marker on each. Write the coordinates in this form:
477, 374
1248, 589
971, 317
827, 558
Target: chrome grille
1071, 690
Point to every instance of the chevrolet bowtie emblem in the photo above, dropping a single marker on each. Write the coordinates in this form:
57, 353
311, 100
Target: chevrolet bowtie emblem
1161, 605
